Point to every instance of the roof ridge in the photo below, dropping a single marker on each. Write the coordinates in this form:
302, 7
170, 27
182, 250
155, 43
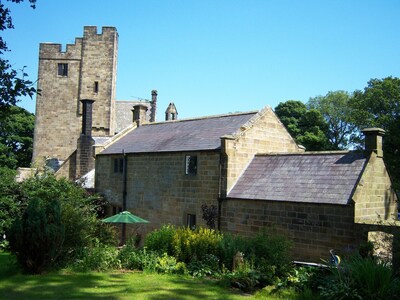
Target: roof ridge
202, 118
333, 152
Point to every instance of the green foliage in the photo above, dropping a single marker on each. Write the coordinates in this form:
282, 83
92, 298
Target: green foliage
245, 278
229, 246
196, 244
99, 257
379, 106
9, 209
13, 83
361, 278
207, 266
161, 240
78, 213
37, 237
270, 253
340, 116
16, 137
168, 265
306, 126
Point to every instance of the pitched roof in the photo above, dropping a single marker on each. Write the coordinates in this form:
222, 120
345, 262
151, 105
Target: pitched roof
313, 178
181, 135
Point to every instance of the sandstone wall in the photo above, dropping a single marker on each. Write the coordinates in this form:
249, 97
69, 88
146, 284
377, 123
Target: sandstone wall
314, 228
158, 189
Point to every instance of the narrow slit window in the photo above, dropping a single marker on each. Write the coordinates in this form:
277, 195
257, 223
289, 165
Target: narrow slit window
63, 70
190, 165
96, 87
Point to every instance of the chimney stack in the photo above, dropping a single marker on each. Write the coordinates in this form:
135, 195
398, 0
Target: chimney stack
87, 116
374, 140
139, 114
153, 105
84, 151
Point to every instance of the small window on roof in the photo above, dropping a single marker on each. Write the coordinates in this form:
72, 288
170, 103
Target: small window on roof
191, 165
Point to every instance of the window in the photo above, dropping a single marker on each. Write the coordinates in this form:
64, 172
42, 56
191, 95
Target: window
191, 221
118, 165
96, 87
190, 165
63, 70
116, 209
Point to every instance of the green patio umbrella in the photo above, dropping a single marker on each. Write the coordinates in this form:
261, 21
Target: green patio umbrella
124, 217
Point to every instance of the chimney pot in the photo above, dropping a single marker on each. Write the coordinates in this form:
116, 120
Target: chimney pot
374, 140
139, 114
153, 105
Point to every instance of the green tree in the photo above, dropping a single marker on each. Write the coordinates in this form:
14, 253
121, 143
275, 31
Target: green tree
306, 126
13, 83
78, 215
340, 116
379, 103
37, 237
16, 137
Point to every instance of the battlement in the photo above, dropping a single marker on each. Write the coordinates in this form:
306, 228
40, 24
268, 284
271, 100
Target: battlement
54, 50
92, 31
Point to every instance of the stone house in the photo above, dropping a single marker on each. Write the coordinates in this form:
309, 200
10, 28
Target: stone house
248, 166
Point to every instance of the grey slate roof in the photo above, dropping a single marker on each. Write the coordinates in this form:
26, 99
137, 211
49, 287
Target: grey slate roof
124, 115
184, 135
312, 178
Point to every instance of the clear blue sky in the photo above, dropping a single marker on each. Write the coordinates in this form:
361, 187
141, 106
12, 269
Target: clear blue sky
213, 56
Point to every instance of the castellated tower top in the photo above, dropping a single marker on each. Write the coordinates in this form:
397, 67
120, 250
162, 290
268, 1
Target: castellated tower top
85, 70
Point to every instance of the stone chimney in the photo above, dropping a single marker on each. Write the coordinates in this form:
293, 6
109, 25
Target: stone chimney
171, 113
84, 151
153, 105
139, 114
374, 140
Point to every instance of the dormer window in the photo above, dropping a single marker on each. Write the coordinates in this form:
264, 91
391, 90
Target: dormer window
191, 165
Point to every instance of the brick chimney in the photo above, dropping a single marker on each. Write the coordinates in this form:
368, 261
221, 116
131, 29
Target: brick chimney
139, 114
84, 151
153, 105
374, 140
171, 113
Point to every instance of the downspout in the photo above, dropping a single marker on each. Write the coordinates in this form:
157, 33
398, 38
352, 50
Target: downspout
124, 192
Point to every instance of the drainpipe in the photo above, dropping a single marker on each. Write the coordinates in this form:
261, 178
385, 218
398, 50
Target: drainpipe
124, 192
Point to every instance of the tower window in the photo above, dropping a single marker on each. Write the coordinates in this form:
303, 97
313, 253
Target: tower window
190, 165
96, 87
63, 70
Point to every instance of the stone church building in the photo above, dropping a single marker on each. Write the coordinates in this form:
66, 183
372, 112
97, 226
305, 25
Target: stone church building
246, 164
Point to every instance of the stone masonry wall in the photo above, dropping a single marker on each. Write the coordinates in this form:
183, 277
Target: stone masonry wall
58, 108
375, 199
158, 189
262, 134
314, 228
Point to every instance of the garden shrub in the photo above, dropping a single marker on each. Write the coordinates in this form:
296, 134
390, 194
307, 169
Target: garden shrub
38, 235
161, 240
229, 246
270, 253
195, 244
361, 278
207, 266
168, 265
100, 257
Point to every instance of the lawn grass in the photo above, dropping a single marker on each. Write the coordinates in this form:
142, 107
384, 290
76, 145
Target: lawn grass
108, 285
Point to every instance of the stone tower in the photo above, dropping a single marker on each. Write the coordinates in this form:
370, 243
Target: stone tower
85, 70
